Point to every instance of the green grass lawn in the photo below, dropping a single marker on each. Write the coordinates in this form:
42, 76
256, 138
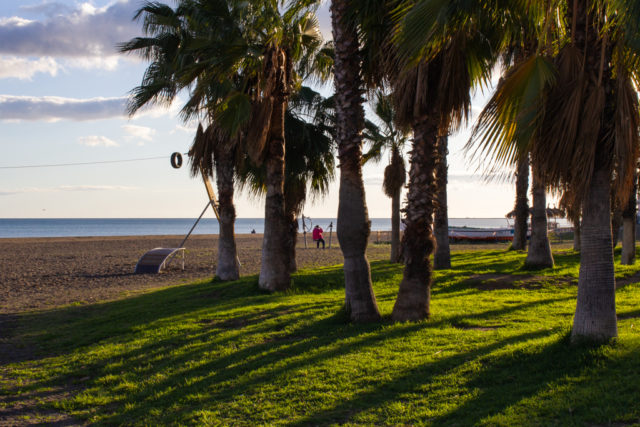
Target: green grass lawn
212, 353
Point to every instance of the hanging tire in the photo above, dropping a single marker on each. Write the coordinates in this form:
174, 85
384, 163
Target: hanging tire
176, 160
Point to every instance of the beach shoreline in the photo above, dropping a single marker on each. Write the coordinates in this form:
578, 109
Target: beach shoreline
46, 272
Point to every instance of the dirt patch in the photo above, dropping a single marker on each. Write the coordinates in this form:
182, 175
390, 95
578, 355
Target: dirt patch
492, 282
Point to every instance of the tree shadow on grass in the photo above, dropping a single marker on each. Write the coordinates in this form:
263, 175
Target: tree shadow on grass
569, 384
242, 339
46, 331
559, 380
237, 364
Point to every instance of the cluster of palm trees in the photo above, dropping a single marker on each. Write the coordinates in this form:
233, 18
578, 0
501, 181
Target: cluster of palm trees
566, 104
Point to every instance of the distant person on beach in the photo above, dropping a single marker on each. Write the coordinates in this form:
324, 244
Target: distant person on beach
253, 231
317, 236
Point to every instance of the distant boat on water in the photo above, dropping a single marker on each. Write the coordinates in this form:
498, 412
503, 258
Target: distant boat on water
480, 234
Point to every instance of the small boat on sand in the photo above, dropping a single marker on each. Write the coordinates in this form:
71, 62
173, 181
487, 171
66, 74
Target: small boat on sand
480, 234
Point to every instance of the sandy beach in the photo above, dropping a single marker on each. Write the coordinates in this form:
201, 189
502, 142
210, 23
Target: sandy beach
41, 273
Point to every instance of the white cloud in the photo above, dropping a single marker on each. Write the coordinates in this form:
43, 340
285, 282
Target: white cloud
85, 32
67, 188
93, 188
190, 129
141, 133
24, 68
108, 63
97, 141
53, 108
15, 21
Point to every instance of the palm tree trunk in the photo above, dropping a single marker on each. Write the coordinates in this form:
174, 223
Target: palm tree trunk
354, 226
227, 267
595, 316
616, 223
290, 204
576, 236
293, 240
274, 269
395, 227
417, 241
522, 206
629, 228
442, 256
539, 253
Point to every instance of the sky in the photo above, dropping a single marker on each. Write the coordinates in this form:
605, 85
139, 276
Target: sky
63, 91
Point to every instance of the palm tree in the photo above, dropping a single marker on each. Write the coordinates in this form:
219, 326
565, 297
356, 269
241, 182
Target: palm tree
353, 218
242, 61
393, 138
442, 255
309, 164
431, 84
573, 105
213, 149
539, 252
521, 209
629, 216
169, 34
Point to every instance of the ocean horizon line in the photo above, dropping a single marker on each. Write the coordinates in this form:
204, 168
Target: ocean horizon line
96, 227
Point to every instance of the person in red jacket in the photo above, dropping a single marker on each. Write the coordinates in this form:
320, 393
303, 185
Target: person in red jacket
317, 236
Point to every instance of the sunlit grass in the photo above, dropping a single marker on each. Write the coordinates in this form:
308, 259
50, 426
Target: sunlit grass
227, 353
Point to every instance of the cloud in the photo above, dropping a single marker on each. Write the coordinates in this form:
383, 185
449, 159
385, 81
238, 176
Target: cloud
142, 133
53, 108
93, 188
83, 32
97, 141
25, 69
67, 188
48, 9
190, 129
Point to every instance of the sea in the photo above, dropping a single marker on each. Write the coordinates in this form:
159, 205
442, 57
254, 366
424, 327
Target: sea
85, 227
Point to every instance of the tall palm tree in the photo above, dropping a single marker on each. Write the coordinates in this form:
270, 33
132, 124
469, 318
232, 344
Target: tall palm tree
390, 137
243, 60
214, 150
521, 209
169, 32
442, 255
354, 226
629, 217
539, 253
431, 81
573, 105
309, 164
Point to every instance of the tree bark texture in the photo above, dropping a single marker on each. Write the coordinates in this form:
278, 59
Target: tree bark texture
395, 227
442, 256
616, 224
353, 226
522, 206
595, 316
539, 253
292, 225
629, 227
418, 243
576, 236
227, 267
274, 269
